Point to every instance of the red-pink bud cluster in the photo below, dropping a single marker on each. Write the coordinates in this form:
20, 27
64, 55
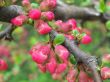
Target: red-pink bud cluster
47, 5
46, 58
26, 3
86, 39
34, 14
3, 65
48, 15
62, 52
71, 76
105, 73
42, 27
19, 20
106, 58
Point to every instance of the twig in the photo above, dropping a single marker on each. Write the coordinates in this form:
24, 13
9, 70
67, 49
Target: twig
81, 56
64, 12
7, 33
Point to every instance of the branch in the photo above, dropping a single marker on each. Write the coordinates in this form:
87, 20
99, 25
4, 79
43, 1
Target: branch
64, 12
81, 56
7, 13
7, 33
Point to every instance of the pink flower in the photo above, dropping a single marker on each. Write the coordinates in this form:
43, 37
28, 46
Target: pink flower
42, 67
73, 23
47, 5
25, 2
61, 68
71, 76
39, 57
44, 28
86, 39
19, 20
44, 48
48, 15
62, 52
63, 27
51, 65
83, 77
105, 72
51, 3
106, 58
3, 65
34, 14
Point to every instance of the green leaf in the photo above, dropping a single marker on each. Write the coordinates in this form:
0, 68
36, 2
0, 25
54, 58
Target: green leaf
52, 24
108, 25
72, 59
59, 39
83, 34
102, 6
44, 38
75, 33
1, 25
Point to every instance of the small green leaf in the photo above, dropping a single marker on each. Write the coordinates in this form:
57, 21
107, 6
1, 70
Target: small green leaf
98, 68
59, 39
102, 6
75, 33
30, 21
83, 34
1, 25
44, 38
72, 59
52, 24
108, 25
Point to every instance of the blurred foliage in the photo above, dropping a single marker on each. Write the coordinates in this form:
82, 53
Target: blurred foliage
21, 66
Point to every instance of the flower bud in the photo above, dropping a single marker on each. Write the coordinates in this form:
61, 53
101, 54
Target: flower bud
39, 57
48, 15
62, 52
105, 73
106, 58
83, 77
44, 28
3, 65
61, 68
42, 67
72, 22
71, 76
51, 65
19, 20
34, 14
86, 39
